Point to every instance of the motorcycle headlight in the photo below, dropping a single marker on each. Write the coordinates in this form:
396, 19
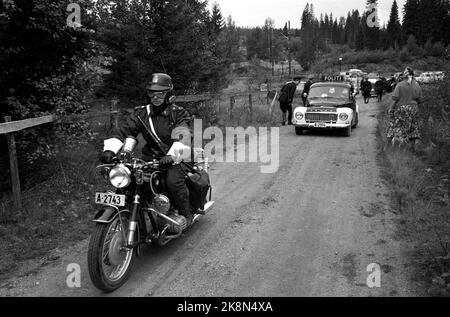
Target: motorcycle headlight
299, 116
343, 116
120, 176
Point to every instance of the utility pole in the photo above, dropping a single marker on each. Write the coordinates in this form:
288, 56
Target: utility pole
271, 52
289, 46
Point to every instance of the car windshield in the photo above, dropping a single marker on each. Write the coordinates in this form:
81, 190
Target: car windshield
329, 92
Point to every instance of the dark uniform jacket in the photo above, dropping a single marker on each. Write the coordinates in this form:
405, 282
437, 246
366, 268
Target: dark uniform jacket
366, 87
172, 118
307, 87
287, 93
379, 86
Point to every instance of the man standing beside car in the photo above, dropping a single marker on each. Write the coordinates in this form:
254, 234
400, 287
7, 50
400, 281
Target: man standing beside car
287, 97
306, 89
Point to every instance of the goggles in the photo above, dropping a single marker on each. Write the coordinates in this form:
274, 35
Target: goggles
156, 95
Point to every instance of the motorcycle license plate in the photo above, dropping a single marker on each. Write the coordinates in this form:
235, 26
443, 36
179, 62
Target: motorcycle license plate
320, 125
110, 199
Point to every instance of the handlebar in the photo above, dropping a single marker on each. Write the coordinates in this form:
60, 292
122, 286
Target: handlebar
135, 163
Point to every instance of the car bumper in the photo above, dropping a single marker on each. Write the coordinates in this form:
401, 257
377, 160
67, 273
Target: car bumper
311, 126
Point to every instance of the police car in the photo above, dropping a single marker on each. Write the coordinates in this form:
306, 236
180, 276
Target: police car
330, 105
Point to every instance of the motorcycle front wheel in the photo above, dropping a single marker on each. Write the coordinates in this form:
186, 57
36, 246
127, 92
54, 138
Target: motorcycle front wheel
109, 262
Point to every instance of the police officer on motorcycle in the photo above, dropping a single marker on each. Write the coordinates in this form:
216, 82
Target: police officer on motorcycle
163, 125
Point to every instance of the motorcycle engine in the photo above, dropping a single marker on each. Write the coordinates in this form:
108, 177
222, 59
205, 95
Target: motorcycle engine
181, 220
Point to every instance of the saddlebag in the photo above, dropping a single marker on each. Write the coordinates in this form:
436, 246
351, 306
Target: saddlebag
198, 183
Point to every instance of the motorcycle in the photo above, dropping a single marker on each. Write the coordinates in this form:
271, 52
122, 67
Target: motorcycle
138, 212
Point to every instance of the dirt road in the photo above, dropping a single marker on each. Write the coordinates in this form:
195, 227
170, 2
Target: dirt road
311, 229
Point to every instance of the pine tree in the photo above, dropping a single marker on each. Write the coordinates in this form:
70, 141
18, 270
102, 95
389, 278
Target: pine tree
306, 54
371, 34
217, 21
326, 26
394, 29
445, 31
356, 17
341, 38
360, 36
349, 31
285, 30
411, 19
174, 37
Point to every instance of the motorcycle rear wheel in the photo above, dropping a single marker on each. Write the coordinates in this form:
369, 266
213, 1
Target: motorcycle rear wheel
108, 262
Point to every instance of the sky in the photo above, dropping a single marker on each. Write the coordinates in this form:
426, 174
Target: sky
254, 12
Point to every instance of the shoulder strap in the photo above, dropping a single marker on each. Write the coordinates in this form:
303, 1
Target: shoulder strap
172, 115
150, 121
162, 147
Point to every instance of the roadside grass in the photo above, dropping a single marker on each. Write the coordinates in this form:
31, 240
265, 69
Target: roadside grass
56, 212
419, 183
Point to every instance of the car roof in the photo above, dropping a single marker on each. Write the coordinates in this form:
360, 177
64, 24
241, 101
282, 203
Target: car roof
331, 83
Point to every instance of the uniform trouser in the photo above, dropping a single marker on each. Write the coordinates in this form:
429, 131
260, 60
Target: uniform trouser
380, 96
287, 107
178, 190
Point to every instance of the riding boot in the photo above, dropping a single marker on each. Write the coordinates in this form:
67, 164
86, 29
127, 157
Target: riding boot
178, 190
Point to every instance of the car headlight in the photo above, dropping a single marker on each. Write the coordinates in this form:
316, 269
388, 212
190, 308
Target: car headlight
299, 116
120, 176
343, 116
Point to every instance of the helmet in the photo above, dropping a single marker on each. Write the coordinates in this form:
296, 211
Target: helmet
160, 82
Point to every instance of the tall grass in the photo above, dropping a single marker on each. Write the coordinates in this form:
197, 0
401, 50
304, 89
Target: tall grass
419, 184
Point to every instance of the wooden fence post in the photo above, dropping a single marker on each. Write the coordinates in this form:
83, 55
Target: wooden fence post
232, 101
114, 116
250, 107
14, 168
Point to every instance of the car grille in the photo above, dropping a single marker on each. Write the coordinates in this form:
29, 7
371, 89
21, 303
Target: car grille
321, 117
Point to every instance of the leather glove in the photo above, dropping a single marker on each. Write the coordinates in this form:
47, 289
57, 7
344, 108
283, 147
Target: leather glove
107, 157
166, 161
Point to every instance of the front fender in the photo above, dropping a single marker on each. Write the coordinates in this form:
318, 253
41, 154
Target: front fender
107, 214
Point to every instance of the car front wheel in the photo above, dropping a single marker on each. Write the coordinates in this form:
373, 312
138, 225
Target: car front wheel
356, 121
298, 131
348, 131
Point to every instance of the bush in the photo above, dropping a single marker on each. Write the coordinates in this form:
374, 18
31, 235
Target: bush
405, 56
435, 49
368, 57
413, 48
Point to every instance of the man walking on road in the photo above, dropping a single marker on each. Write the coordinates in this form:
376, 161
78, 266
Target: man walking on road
379, 89
366, 88
287, 97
